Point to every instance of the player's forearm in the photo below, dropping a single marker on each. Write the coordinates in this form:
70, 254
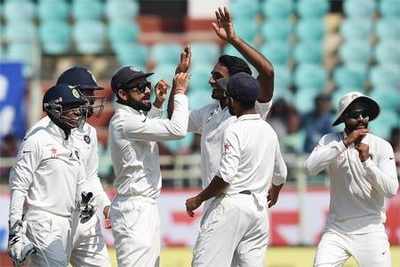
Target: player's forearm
215, 188
383, 180
16, 205
280, 169
262, 65
171, 99
322, 156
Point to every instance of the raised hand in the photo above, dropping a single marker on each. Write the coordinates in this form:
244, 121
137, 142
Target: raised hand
161, 90
185, 60
181, 82
223, 26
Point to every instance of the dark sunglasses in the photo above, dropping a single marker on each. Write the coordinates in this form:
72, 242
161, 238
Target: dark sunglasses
141, 86
357, 113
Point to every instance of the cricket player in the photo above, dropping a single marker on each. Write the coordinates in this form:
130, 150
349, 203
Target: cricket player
234, 228
48, 178
362, 172
134, 131
211, 120
88, 245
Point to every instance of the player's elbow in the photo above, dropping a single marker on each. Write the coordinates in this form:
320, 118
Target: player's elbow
267, 71
310, 169
178, 132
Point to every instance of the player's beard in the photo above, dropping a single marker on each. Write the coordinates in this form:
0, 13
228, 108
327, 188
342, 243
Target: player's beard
139, 105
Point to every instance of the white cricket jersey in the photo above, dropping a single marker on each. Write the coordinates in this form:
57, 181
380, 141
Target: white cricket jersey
251, 157
48, 172
133, 138
211, 122
358, 189
86, 141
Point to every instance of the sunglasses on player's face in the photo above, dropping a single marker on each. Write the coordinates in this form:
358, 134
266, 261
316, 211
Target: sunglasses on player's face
357, 113
141, 86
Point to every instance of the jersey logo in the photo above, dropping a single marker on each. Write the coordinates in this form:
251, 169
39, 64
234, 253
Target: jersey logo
86, 138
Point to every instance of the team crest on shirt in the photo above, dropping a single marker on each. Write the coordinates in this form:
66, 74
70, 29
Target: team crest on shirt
86, 138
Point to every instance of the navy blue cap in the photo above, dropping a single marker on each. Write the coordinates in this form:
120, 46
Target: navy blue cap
125, 76
79, 76
243, 87
65, 95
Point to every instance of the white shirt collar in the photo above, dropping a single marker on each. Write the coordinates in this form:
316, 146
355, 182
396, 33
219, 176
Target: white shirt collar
255, 116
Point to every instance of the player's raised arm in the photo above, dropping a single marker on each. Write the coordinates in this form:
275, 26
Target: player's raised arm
183, 66
224, 29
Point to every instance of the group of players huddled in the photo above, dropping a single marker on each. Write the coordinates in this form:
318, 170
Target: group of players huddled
55, 190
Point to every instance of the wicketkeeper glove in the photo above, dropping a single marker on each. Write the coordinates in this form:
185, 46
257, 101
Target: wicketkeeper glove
86, 207
19, 246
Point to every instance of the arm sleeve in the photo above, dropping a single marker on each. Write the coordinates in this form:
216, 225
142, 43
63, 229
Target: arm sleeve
92, 182
229, 163
383, 174
154, 112
263, 109
161, 129
280, 169
21, 177
323, 154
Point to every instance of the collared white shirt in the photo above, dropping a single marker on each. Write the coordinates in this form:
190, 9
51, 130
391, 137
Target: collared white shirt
133, 138
86, 142
358, 189
211, 122
48, 172
251, 157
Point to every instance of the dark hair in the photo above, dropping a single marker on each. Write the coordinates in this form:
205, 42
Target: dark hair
234, 64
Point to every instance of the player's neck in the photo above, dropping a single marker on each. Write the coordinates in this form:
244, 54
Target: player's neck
246, 112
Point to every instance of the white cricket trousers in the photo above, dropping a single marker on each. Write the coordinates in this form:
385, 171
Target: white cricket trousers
369, 250
233, 232
51, 235
88, 246
136, 229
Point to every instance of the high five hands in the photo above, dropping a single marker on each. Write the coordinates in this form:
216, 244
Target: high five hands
223, 26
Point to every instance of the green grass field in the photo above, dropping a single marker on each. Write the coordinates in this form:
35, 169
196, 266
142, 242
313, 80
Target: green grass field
276, 257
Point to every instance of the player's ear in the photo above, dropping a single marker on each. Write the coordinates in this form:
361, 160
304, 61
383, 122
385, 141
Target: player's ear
122, 94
